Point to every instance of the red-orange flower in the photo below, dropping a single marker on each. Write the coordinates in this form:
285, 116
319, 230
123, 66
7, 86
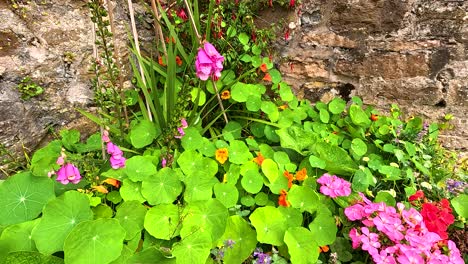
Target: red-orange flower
178, 60
259, 159
113, 182
161, 61
374, 117
263, 67
324, 248
301, 175
267, 77
100, 189
282, 200
290, 178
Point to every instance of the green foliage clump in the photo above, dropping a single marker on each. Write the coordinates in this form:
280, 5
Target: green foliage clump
29, 89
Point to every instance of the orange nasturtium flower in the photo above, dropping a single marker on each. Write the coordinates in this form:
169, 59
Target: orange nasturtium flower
282, 201
374, 117
161, 61
324, 249
178, 60
100, 189
225, 95
259, 159
267, 77
301, 175
221, 155
113, 182
282, 107
263, 67
290, 177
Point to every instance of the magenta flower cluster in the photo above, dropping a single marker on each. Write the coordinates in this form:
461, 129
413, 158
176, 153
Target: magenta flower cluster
68, 173
209, 62
117, 160
397, 235
183, 125
333, 186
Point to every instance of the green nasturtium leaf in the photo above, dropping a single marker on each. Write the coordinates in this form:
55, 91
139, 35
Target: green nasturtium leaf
198, 187
316, 162
23, 196
386, 197
243, 38
359, 147
460, 203
232, 131
270, 225
139, 168
150, 256
162, 221
59, 217
227, 194
293, 216
270, 169
192, 139
324, 116
44, 160
337, 106
303, 198
244, 237
143, 134
18, 236
131, 215
296, 138
131, 191
252, 181
337, 159
323, 229
30, 257
97, 241
301, 245
165, 187
261, 199
204, 217
239, 153
193, 249
102, 211
358, 116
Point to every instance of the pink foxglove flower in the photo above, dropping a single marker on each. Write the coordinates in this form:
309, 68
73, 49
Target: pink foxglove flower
105, 136
209, 62
180, 129
68, 173
117, 160
60, 161
334, 186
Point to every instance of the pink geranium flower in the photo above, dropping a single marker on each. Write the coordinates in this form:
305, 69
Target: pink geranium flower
209, 62
68, 173
334, 186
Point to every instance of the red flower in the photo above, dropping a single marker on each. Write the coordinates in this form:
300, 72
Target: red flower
267, 77
374, 117
181, 14
418, 195
291, 3
282, 201
438, 217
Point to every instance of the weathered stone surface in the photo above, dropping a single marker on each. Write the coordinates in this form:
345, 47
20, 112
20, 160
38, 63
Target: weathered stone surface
413, 52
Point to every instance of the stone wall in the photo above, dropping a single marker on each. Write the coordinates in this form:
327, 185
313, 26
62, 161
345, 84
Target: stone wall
410, 52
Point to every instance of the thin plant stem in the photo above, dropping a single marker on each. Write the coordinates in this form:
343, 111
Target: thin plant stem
137, 47
157, 27
118, 60
220, 101
189, 10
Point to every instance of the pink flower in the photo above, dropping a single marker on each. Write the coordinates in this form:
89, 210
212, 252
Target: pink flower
68, 173
181, 14
412, 217
60, 161
334, 186
163, 162
355, 212
181, 128
209, 62
105, 136
117, 160
409, 255
354, 235
455, 256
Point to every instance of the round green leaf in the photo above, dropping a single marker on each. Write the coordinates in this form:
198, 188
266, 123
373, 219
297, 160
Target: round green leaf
253, 103
114, 197
193, 249
131, 191
252, 181
303, 198
59, 217
239, 153
198, 187
281, 157
150, 256
143, 134
102, 211
131, 216
29, 257
243, 38
247, 200
232, 131
165, 187
317, 162
359, 147
358, 116
198, 96
293, 216
227, 194
324, 115
386, 197
244, 237
261, 199
271, 110
270, 169
162, 221
23, 196
97, 241
275, 75
337, 106
285, 92
460, 204
18, 236
192, 139
205, 216
323, 229
270, 225
139, 168
301, 245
